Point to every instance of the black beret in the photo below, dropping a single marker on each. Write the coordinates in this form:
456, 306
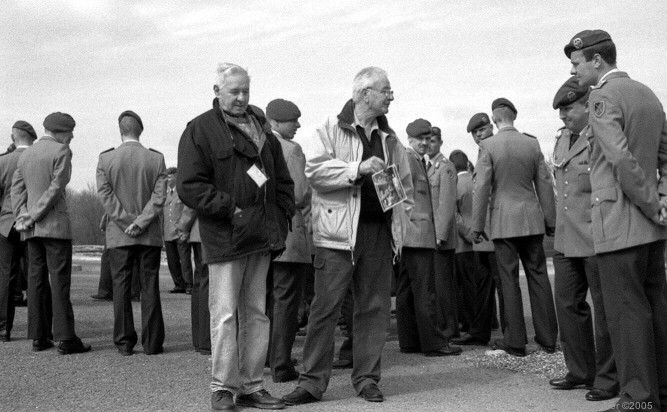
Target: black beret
282, 110
569, 92
418, 128
131, 114
477, 121
26, 127
585, 39
503, 102
171, 171
59, 122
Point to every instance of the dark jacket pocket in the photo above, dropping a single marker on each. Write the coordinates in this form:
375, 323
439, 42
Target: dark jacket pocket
249, 228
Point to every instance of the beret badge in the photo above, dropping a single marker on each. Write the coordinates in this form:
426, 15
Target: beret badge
571, 96
578, 43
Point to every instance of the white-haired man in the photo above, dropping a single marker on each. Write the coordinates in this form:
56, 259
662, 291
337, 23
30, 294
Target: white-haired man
237, 181
353, 235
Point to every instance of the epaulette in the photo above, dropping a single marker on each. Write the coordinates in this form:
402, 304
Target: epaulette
599, 85
108, 150
153, 150
530, 135
559, 133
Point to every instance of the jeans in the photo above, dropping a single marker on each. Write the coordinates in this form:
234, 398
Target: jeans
237, 294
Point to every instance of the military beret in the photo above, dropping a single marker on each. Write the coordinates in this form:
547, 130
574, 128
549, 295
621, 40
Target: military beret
477, 121
569, 92
418, 128
282, 110
171, 171
131, 114
59, 122
26, 127
503, 102
586, 38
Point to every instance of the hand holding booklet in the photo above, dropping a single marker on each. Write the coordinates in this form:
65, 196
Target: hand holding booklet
388, 187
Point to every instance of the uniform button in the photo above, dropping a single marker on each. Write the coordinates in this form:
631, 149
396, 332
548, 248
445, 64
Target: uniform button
597, 199
565, 195
565, 207
589, 169
566, 169
566, 182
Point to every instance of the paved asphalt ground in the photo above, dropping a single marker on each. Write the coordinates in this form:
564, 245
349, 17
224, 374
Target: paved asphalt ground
178, 380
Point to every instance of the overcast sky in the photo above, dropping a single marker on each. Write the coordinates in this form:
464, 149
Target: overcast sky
446, 61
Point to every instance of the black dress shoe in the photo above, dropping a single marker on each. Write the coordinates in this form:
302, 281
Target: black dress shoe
468, 340
222, 401
371, 393
177, 290
342, 364
410, 350
596, 394
5, 336
39, 345
499, 344
69, 347
444, 351
97, 296
260, 399
155, 352
125, 352
287, 376
547, 348
567, 384
299, 396
205, 352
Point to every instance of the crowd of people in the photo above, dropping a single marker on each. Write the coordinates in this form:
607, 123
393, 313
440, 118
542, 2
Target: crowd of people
271, 226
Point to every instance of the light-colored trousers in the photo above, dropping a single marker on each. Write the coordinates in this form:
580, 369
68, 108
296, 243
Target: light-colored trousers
239, 288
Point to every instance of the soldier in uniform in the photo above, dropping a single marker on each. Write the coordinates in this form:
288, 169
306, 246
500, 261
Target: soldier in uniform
131, 184
38, 192
588, 356
291, 266
442, 179
416, 317
512, 177
628, 194
11, 246
178, 252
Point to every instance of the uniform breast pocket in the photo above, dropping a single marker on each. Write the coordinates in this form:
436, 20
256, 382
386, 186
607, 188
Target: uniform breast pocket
421, 185
584, 182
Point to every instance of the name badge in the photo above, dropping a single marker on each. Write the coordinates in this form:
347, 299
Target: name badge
257, 176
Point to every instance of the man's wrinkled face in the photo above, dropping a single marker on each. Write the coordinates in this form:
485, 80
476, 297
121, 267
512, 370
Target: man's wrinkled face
420, 143
234, 96
380, 96
574, 116
287, 129
434, 146
482, 133
584, 71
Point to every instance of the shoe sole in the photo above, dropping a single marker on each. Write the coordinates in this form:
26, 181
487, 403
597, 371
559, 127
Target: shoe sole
259, 405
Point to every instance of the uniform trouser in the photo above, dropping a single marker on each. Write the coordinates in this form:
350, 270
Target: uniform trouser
105, 286
478, 291
588, 355
287, 279
179, 263
464, 266
201, 319
446, 302
370, 276
11, 250
531, 252
239, 325
487, 264
122, 260
50, 256
416, 318
633, 291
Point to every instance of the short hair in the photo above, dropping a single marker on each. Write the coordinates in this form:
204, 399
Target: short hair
129, 126
503, 113
460, 160
435, 131
22, 135
606, 50
227, 69
366, 78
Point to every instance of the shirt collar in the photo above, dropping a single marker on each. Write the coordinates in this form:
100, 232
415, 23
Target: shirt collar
607, 74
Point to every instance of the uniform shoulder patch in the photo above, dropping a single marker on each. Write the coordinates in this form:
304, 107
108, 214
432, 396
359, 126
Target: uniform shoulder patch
153, 150
599, 108
560, 132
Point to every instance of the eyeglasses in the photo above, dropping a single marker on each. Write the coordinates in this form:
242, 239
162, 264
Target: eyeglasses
387, 93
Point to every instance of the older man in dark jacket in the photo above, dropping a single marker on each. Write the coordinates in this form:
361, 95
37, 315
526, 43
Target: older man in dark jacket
234, 175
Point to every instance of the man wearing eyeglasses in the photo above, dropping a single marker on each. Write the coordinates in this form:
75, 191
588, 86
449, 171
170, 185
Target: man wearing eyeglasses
588, 356
353, 236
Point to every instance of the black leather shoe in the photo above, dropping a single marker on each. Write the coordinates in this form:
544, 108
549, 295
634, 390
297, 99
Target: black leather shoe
5, 336
299, 396
287, 376
342, 364
499, 344
125, 352
155, 352
410, 350
596, 394
222, 401
548, 349
260, 399
468, 340
205, 352
567, 384
444, 351
97, 296
371, 393
39, 345
177, 290
68, 347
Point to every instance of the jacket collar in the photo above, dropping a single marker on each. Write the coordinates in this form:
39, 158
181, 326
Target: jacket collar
609, 76
251, 110
567, 152
346, 119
